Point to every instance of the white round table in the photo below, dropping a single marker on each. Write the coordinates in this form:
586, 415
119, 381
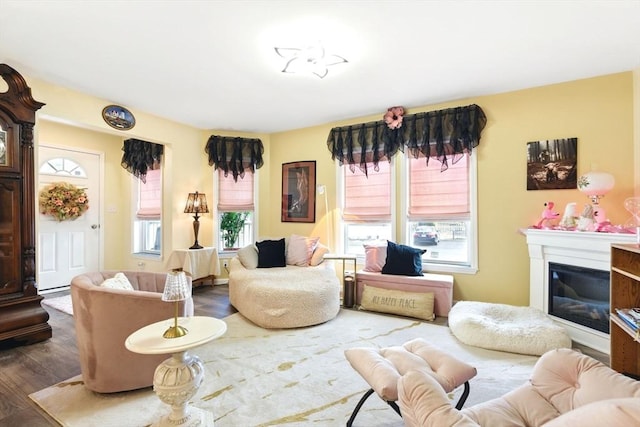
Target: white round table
177, 379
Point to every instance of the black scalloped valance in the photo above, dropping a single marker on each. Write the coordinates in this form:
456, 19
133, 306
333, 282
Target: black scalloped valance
140, 156
440, 134
234, 154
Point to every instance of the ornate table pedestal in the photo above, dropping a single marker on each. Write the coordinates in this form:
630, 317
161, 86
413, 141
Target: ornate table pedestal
177, 379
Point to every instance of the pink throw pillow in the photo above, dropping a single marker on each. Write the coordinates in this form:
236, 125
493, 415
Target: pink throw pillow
300, 250
318, 255
375, 257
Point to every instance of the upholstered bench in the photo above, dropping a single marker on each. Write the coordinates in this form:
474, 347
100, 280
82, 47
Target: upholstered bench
441, 285
382, 368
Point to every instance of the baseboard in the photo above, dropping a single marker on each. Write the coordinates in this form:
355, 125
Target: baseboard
220, 282
54, 290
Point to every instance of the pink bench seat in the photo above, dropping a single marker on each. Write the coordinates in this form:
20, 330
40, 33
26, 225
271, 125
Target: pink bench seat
440, 284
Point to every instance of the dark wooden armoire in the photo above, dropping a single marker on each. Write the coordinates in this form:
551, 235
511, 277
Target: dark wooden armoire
22, 318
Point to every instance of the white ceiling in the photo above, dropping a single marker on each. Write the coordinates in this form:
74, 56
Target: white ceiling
211, 64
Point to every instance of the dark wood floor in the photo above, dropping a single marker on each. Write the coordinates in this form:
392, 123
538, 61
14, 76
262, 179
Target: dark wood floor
27, 369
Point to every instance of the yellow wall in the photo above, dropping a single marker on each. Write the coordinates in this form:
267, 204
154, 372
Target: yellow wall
117, 182
186, 168
74, 119
597, 111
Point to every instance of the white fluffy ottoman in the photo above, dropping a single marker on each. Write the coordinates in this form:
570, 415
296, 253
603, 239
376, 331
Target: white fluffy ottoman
524, 330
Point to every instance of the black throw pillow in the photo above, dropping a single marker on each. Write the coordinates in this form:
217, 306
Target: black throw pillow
271, 253
403, 260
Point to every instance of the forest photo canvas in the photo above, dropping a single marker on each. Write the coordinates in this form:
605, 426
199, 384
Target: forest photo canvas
552, 164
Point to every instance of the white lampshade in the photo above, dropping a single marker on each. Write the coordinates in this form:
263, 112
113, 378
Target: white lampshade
596, 184
176, 287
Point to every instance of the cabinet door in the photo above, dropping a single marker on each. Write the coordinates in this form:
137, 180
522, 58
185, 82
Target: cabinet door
10, 256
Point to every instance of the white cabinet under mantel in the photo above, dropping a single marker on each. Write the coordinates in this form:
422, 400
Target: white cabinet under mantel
590, 250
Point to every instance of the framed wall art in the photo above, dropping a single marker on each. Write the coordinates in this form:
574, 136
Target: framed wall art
298, 192
118, 117
552, 164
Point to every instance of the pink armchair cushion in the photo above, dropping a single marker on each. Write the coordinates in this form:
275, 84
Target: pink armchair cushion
382, 368
612, 412
424, 403
566, 388
568, 379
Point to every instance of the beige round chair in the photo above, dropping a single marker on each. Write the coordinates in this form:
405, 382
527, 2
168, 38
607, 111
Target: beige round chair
284, 297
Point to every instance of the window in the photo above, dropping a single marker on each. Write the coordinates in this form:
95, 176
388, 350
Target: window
439, 211
235, 210
147, 231
62, 167
366, 206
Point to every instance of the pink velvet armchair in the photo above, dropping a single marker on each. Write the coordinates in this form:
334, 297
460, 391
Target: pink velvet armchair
105, 317
566, 389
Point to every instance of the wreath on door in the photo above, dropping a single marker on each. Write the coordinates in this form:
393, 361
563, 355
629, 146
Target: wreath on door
63, 201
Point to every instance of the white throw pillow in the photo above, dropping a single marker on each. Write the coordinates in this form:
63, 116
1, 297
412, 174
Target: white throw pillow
375, 257
119, 281
248, 256
300, 250
318, 255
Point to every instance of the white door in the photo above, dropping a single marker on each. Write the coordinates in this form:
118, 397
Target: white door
68, 248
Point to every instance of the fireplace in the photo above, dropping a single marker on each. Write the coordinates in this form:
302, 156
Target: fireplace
579, 295
569, 280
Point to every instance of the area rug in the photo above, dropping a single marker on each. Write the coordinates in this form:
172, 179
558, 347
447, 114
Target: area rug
293, 377
62, 304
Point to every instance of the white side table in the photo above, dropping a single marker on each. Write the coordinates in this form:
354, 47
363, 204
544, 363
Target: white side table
177, 379
200, 264
348, 283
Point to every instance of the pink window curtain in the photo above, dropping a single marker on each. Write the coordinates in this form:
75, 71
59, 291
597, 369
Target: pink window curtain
235, 196
150, 199
367, 197
434, 194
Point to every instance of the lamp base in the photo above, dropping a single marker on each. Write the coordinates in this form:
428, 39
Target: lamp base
196, 246
175, 332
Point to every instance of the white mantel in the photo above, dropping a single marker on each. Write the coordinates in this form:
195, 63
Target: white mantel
578, 248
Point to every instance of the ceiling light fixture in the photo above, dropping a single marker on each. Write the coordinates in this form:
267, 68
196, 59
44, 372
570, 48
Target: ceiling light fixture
310, 59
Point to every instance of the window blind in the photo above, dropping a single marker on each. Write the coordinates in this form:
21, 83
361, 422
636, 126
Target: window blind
150, 196
235, 195
367, 197
434, 194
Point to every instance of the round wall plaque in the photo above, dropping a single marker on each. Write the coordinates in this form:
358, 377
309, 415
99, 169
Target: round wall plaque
118, 117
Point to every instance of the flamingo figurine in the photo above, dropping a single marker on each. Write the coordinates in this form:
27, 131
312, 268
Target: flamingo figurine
547, 214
